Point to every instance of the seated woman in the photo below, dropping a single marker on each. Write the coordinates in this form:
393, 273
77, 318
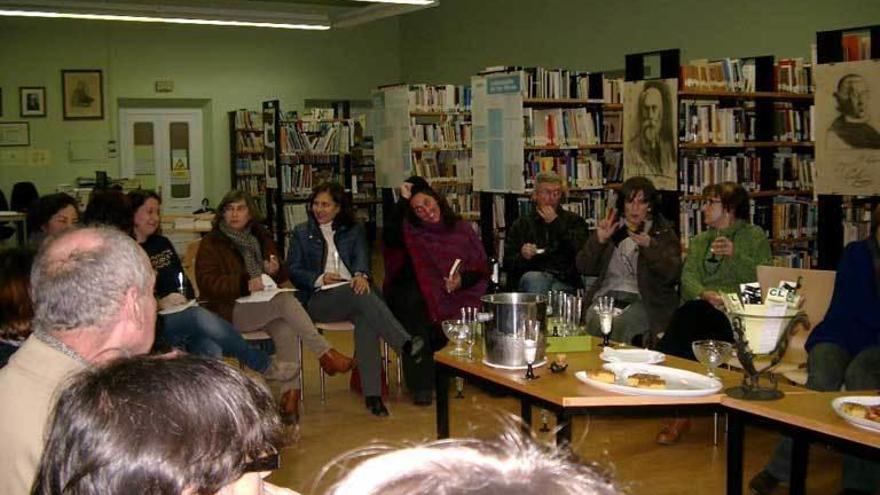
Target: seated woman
637, 260
150, 425
423, 238
844, 350
719, 260
52, 214
331, 249
231, 262
192, 328
16, 310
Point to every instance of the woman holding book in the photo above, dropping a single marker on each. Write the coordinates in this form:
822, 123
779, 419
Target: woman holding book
237, 258
726, 255
423, 239
329, 263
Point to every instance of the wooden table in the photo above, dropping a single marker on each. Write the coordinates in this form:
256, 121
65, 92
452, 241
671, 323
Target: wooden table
20, 219
806, 418
562, 393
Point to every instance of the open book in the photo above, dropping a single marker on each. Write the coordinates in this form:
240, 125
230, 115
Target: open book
270, 290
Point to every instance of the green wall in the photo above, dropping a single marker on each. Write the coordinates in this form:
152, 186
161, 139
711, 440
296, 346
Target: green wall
223, 68
458, 38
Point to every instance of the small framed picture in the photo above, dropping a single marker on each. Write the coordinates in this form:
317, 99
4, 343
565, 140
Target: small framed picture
15, 134
33, 101
83, 94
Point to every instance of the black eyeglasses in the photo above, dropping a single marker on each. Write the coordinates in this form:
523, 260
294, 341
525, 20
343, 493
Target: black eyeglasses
266, 463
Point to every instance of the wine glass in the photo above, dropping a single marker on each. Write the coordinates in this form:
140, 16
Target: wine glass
456, 331
712, 353
531, 333
605, 310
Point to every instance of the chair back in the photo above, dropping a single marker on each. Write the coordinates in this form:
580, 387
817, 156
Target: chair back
23, 195
189, 263
817, 287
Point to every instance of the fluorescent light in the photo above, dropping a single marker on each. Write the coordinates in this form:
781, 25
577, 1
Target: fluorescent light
169, 20
407, 2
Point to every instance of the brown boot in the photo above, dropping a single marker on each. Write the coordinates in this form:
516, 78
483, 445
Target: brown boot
289, 407
333, 362
672, 432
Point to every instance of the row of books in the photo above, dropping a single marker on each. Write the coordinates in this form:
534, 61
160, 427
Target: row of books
256, 186
448, 134
856, 46
579, 170
439, 98
796, 258
793, 124
294, 214
794, 218
703, 121
793, 75
561, 127
857, 221
565, 84
444, 164
794, 170
245, 165
460, 197
330, 137
248, 120
592, 205
299, 179
697, 171
248, 142
728, 74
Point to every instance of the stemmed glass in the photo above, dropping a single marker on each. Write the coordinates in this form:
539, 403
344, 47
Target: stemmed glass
456, 331
531, 333
605, 310
712, 353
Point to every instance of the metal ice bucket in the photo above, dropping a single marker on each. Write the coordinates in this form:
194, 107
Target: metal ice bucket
502, 316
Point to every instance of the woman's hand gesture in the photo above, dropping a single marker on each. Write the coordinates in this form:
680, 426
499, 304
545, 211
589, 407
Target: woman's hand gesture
255, 284
607, 226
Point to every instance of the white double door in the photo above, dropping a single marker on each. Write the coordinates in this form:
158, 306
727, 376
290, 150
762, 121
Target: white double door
163, 147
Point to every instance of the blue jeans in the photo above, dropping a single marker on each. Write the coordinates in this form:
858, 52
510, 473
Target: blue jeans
541, 282
828, 367
201, 332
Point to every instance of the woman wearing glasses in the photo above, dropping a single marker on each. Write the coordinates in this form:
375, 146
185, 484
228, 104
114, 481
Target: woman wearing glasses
719, 260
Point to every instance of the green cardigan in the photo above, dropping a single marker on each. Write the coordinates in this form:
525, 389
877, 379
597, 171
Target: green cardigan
750, 249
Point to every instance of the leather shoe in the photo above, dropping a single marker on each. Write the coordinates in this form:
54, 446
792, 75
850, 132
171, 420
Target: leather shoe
333, 362
672, 432
763, 483
289, 407
375, 405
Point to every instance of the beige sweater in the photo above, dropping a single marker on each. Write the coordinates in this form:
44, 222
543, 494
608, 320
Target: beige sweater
27, 393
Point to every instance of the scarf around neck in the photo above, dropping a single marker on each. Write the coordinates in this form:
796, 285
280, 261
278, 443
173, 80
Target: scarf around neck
248, 246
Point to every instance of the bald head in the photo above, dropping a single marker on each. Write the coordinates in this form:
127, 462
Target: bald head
84, 277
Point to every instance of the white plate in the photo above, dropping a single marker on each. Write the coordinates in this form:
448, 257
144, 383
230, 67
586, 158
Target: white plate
644, 356
505, 367
679, 383
868, 400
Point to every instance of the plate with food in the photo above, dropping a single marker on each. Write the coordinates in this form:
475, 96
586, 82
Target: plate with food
645, 356
649, 379
859, 410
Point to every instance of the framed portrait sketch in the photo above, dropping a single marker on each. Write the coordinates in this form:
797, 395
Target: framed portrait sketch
33, 101
847, 128
83, 94
650, 142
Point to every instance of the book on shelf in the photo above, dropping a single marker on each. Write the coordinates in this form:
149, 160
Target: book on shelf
796, 258
248, 120
303, 136
579, 169
793, 75
612, 127
791, 124
793, 170
299, 178
563, 84
561, 127
439, 98
728, 74
794, 218
295, 214
708, 121
250, 165
697, 170
857, 217
249, 142
856, 45
449, 134
592, 206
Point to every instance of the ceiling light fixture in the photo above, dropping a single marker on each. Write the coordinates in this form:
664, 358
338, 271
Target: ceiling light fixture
403, 2
169, 20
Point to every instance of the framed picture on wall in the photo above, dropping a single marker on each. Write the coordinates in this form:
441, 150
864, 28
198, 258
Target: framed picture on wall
15, 134
1, 102
83, 94
33, 102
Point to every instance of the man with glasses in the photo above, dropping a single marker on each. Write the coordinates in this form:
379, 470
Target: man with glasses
541, 246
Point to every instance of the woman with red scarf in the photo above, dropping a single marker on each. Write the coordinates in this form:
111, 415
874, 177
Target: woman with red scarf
423, 238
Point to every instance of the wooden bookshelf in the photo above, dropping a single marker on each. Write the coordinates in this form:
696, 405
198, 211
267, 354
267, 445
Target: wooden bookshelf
603, 146
736, 95
748, 144
248, 157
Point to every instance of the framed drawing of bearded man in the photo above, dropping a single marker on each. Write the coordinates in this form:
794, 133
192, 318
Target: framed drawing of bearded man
650, 113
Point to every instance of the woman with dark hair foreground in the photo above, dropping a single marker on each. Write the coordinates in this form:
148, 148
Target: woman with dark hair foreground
16, 309
329, 263
423, 238
161, 426
511, 464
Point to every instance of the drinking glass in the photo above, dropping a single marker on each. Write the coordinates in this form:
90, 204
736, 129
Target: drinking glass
605, 310
531, 333
712, 353
456, 331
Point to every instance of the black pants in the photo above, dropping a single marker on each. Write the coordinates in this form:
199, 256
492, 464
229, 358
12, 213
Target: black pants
408, 306
694, 320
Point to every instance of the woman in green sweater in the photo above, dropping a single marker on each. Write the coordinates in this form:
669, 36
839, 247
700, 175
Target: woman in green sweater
718, 261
